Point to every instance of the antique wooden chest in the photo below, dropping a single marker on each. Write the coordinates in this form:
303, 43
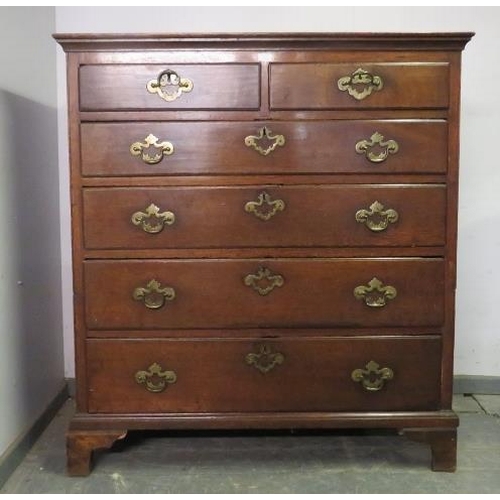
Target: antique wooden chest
264, 233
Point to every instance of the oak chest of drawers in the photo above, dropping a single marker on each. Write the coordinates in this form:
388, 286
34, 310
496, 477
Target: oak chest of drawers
264, 233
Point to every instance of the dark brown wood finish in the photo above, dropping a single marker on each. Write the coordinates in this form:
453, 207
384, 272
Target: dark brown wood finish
313, 293
311, 86
287, 83
443, 443
81, 445
219, 148
318, 371
109, 87
298, 216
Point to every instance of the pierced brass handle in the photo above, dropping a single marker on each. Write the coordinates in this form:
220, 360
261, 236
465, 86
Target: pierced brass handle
376, 294
154, 378
265, 207
376, 149
141, 149
153, 295
265, 142
372, 377
151, 220
264, 360
169, 85
264, 281
360, 79
377, 219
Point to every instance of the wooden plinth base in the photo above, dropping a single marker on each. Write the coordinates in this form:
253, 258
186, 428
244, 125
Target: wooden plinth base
443, 443
88, 433
81, 444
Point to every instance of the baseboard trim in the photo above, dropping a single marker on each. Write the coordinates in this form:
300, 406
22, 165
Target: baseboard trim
71, 384
470, 384
16, 452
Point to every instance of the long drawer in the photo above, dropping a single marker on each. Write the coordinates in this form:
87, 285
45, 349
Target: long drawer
265, 216
300, 147
163, 87
231, 293
134, 376
359, 86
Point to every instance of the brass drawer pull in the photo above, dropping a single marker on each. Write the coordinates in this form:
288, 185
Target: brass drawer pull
377, 219
265, 142
360, 79
376, 149
264, 208
141, 149
264, 281
372, 377
155, 379
169, 85
151, 220
376, 294
265, 360
153, 295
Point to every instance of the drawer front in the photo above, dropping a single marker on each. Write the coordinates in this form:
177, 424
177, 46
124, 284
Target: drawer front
153, 148
363, 85
182, 86
266, 216
176, 294
135, 376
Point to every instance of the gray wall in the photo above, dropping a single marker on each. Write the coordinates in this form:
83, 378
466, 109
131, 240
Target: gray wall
31, 350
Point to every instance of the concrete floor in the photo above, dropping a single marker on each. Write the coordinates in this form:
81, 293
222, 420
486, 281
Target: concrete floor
339, 462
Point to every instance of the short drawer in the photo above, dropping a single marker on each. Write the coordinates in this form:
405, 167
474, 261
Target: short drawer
163, 87
361, 374
301, 147
286, 293
264, 216
363, 85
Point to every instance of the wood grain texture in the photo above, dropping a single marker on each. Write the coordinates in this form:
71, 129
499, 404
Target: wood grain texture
315, 293
287, 83
317, 372
443, 443
312, 217
311, 86
81, 445
369, 42
219, 148
268, 420
110, 87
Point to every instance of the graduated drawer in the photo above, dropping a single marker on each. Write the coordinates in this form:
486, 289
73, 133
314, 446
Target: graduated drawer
233, 293
361, 374
266, 216
293, 147
128, 87
363, 85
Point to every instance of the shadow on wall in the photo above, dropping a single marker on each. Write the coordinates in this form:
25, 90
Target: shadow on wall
30, 279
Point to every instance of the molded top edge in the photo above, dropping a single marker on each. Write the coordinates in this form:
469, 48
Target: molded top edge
365, 40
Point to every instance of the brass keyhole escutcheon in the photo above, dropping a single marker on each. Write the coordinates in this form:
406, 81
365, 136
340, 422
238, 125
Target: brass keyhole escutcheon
360, 84
265, 207
264, 360
264, 281
265, 142
169, 85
